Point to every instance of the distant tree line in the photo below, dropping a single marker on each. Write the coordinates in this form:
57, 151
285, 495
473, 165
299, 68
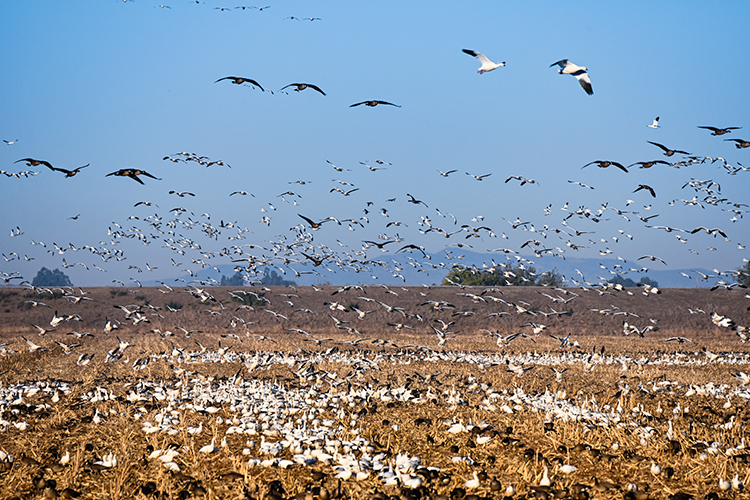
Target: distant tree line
270, 278
629, 283
743, 274
519, 275
45, 277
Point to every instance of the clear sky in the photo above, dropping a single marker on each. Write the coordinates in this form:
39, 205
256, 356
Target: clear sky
116, 85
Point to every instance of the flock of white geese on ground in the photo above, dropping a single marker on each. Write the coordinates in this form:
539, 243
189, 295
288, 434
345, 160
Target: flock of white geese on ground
318, 423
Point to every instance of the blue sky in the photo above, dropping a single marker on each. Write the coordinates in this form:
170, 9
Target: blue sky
121, 85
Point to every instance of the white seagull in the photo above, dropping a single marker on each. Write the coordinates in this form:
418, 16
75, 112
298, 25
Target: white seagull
487, 65
580, 72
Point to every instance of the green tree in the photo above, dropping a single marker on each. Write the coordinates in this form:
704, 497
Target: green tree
45, 277
743, 274
626, 282
272, 278
236, 280
519, 275
629, 283
645, 280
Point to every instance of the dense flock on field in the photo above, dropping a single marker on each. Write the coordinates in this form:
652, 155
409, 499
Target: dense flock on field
374, 391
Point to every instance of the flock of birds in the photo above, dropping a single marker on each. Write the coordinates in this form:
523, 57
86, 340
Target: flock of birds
313, 417
318, 420
311, 256
299, 254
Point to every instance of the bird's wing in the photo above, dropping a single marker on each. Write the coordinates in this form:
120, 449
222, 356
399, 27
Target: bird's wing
315, 87
388, 103
562, 63
309, 221
481, 57
255, 83
664, 148
359, 103
618, 165
585, 81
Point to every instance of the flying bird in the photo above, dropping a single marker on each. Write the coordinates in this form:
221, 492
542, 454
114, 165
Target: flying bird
580, 72
652, 259
719, 131
605, 164
238, 80
374, 103
303, 86
582, 184
313, 225
709, 231
414, 200
680, 340
446, 174
479, 177
667, 151
521, 178
133, 173
740, 143
30, 162
487, 65
647, 188
412, 247
70, 173
649, 164
655, 124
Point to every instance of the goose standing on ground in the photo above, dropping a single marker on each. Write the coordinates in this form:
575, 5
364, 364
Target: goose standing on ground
487, 65
580, 72
238, 80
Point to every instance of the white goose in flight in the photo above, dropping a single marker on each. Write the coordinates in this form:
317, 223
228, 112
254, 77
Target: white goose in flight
487, 65
580, 72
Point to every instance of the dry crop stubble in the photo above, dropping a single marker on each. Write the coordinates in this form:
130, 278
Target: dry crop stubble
460, 392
